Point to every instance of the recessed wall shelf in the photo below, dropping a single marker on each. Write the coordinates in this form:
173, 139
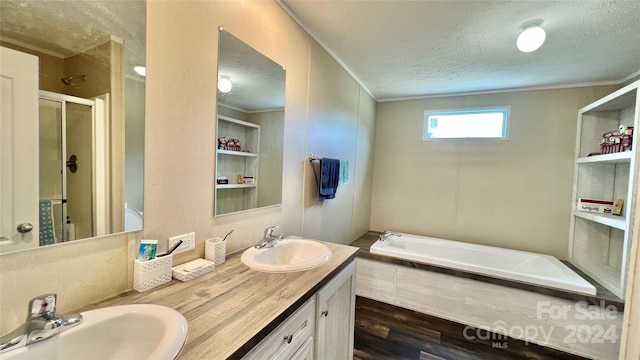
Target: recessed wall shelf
234, 197
617, 222
615, 158
599, 243
235, 186
236, 153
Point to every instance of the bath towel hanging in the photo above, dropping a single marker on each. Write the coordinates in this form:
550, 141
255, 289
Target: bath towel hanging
329, 177
344, 172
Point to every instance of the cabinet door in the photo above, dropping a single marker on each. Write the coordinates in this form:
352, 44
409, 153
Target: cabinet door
335, 317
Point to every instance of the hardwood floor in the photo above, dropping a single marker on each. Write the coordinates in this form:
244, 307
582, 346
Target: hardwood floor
385, 331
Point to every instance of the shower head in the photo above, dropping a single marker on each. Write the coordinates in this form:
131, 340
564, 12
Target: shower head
69, 79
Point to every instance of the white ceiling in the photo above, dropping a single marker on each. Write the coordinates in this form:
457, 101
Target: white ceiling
403, 49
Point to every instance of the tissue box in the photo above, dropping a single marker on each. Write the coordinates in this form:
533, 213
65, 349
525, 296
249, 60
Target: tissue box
597, 206
151, 273
198, 266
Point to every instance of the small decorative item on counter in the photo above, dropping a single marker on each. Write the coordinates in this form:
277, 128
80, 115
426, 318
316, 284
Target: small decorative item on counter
249, 180
147, 250
151, 273
240, 179
192, 269
597, 206
222, 180
215, 250
617, 208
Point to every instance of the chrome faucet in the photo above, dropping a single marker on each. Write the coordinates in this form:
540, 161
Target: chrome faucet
386, 234
269, 240
42, 323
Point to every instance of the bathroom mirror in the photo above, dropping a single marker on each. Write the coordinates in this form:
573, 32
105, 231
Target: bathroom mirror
90, 144
250, 128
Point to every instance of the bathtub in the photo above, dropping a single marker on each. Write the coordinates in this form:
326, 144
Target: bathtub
520, 266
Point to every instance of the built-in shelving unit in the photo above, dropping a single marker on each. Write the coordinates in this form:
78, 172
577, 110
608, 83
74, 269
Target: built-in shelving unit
599, 243
236, 196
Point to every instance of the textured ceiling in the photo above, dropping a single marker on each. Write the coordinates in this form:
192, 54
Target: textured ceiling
66, 28
400, 49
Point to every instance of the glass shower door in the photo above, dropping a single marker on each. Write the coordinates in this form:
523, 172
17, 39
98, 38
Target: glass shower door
66, 170
52, 197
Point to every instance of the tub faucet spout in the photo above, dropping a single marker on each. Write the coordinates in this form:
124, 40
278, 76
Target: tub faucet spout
386, 234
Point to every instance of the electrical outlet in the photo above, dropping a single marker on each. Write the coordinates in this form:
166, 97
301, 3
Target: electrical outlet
188, 242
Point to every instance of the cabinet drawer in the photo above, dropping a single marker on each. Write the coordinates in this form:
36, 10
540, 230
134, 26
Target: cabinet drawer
305, 352
288, 336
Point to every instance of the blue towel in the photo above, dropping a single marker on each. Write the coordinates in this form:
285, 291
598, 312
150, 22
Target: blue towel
344, 172
46, 223
329, 178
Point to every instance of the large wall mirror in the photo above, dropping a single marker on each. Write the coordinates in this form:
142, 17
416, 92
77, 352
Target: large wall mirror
86, 149
250, 130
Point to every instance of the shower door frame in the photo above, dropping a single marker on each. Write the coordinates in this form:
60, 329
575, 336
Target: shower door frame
99, 168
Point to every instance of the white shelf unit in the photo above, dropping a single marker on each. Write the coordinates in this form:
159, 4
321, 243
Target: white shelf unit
599, 243
233, 196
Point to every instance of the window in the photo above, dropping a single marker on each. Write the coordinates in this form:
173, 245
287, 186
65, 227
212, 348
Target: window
466, 124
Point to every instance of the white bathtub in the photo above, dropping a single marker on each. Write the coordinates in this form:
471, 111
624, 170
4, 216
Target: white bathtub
520, 266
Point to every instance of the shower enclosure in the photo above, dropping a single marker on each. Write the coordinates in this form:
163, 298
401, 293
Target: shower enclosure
72, 163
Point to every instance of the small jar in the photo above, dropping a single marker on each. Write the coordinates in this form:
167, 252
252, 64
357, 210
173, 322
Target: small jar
240, 179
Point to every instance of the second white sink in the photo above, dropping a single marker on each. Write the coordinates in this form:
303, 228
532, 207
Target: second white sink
287, 255
136, 332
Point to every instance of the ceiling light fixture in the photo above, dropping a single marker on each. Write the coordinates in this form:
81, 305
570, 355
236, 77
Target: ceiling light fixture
532, 37
140, 70
224, 85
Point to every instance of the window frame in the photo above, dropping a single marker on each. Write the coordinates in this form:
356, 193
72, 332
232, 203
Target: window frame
506, 110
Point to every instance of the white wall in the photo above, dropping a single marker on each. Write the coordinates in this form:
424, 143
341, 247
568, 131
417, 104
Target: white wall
513, 194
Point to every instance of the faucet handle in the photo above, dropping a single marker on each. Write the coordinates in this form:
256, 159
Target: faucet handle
43, 305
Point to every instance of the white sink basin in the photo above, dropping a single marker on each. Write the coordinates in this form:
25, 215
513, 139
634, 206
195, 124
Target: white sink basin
287, 255
139, 331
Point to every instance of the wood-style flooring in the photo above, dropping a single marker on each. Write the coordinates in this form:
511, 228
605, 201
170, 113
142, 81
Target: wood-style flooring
384, 331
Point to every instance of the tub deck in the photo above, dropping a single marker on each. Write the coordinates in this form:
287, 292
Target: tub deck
515, 315
602, 295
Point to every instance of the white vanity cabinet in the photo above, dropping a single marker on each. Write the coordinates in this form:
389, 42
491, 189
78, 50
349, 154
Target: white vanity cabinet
599, 244
291, 339
336, 315
237, 195
323, 328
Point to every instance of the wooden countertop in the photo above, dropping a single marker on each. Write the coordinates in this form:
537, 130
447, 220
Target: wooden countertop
232, 308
